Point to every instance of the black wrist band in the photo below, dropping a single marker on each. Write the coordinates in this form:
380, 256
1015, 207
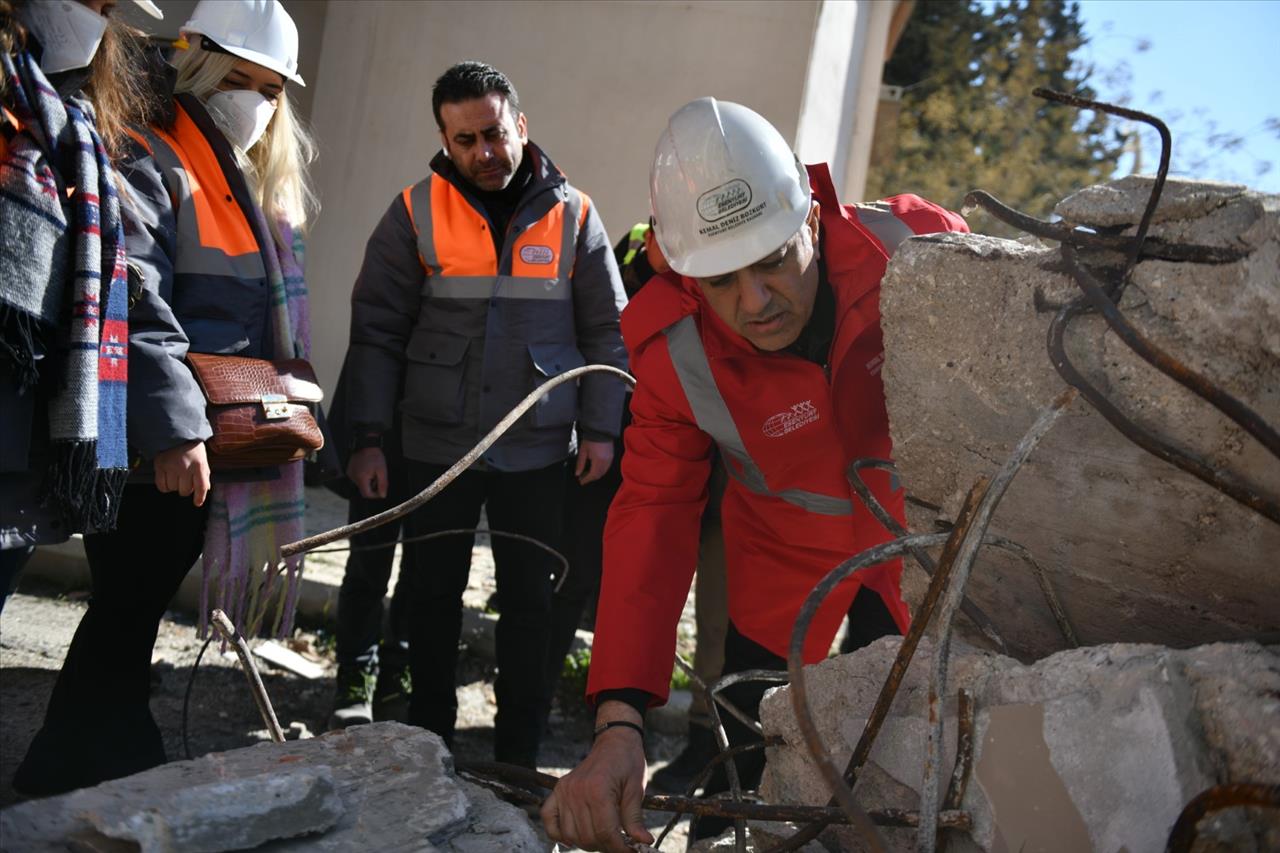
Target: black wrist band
373, 439
612, 723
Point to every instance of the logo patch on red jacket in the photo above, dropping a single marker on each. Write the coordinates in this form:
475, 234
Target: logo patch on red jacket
799, 415
537, 254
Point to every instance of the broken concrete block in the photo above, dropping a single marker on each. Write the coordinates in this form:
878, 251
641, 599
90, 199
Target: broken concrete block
1122, 202
493, 826
385, 786
231, 814
1137, 550
1096, 748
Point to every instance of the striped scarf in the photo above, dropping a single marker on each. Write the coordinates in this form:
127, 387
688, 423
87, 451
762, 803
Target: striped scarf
249, 522
64, 290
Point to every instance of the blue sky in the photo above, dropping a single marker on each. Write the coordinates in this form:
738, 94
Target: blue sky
1205, 68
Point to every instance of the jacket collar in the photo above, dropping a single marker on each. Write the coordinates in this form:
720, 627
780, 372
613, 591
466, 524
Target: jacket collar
545, 174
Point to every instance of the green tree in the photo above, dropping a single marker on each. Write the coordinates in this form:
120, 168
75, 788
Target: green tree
968, 119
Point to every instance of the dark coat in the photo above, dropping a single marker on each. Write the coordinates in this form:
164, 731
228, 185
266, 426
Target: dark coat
454, 366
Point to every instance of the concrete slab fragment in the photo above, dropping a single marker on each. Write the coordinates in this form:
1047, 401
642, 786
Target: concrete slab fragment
1137, 550
385, 787
1121, 202
1096, 748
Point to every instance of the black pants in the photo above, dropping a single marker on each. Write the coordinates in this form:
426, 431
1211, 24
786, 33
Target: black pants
869, 620
526, 502
98, 724
585, 510
364, 585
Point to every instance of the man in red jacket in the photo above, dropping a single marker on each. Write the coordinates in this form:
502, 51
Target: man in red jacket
766, 341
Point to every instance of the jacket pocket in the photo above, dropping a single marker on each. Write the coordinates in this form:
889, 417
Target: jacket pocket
433, 389
216, 337
559, 406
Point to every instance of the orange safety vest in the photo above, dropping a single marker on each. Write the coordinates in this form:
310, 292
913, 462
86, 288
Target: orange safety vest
458, 255
493, 325
214, 236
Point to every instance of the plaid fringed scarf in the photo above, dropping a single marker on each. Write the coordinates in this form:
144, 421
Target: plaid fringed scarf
249, 522
64, 291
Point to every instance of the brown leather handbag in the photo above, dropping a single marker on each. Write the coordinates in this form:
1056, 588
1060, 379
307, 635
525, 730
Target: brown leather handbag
260, 411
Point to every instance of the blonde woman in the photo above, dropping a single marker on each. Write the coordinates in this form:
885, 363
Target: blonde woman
221, 188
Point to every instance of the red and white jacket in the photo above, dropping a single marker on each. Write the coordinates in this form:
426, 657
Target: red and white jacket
787, 433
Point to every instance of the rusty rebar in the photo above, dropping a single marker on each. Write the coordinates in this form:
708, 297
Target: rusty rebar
459, 531
713, 695
400, 510
893, 681
227, 631
1239, 413
705, 773
1059, 232
840, 791
1162, 170
1046, 585
511, 776
926, 837
888, 522
776, 676
966, 716
1238, 795
1242, 493
1246, 494
731, 772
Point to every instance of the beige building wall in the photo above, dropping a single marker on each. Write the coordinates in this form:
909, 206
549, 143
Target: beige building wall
596, 80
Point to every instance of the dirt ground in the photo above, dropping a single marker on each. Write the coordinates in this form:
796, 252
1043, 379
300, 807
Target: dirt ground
37, 624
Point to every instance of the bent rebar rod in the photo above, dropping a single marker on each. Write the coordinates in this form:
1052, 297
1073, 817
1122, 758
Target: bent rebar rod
795, 666
926, 838
889, 523
399, 511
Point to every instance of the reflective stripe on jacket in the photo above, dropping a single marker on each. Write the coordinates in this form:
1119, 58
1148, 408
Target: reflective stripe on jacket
190, 233
475, 329
787, 434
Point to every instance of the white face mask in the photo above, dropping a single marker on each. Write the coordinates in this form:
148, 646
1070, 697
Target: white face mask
242, 115
69, 32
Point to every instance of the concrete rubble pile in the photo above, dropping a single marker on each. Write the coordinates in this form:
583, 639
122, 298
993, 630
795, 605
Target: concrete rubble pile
1137, 550
1089, 749
385, 787
1098, 747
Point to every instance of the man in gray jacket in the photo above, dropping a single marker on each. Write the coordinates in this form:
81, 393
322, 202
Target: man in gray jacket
482, 281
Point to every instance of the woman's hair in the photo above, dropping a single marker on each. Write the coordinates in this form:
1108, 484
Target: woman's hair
117, 85
276, 167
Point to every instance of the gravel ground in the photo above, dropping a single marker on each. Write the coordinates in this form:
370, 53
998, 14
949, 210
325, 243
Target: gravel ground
37, 624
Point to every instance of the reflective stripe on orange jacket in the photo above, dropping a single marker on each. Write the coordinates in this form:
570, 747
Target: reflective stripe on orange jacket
787, 434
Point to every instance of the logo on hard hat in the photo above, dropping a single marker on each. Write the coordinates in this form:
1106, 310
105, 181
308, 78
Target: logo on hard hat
800, 414
537, 254
723, 200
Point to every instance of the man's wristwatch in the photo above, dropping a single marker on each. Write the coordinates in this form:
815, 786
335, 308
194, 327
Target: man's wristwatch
369, 439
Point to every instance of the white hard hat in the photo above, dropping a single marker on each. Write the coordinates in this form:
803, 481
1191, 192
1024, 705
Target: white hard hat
725, 187
150, 8
260, 31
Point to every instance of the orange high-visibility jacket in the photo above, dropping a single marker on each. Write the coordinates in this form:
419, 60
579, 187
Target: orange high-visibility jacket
787, 434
